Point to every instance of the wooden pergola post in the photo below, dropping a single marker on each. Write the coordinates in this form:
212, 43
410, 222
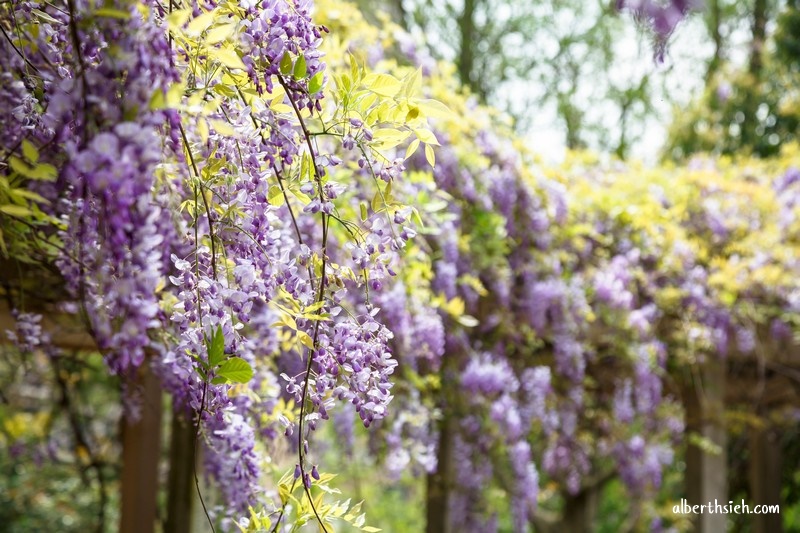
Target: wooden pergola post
141, 451
765, 477
181, 489
707, 473
440, 482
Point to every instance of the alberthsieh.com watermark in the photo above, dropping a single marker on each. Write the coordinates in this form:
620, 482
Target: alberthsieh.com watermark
723, 508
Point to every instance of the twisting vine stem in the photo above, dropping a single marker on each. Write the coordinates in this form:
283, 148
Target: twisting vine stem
301, 454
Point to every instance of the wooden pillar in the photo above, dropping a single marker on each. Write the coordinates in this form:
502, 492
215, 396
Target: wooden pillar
707, 471
141, 451
580, 511
181, 491
765, 477
439, 483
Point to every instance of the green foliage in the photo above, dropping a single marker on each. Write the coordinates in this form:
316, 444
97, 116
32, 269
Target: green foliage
300, 512
745, 110
20, 214
49, 479
787, 36
739, 114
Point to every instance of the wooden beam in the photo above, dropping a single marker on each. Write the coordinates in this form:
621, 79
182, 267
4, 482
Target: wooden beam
64, 330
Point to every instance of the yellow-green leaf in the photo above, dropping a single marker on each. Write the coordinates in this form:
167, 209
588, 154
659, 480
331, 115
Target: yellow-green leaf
426, 136
30, 152
217, 34
175, 95
412, 148
305, 339
200, 23
434, 108
383, 84
112, 13
227, 57
280, 107
429, 155
19, 167
283, 492
222, 127
177, 19
275, 196
202, 129
30, 195
15, 210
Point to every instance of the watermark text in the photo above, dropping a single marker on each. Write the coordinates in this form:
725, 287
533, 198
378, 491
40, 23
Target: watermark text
724, 508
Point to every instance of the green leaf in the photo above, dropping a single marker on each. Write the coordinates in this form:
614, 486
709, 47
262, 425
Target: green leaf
15, 210
112, 13
44, 172
300, 69
286, 64
216, 348
30, 152
19, 167
29, 195
315, 83
236, 370
44, 16
364, 213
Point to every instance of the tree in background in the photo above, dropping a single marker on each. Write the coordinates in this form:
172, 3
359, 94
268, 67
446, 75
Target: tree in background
753, 107
524, 57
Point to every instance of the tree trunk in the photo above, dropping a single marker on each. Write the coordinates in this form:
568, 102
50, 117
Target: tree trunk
714, 24
759, 28
468, 44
